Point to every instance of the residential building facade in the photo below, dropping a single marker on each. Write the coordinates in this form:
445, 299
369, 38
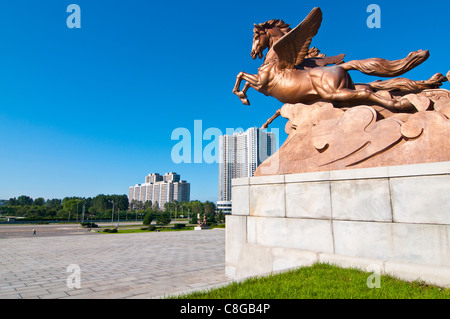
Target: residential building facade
240, 154
161, 189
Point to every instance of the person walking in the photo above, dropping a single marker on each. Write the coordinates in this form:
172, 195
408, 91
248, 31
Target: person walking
34, 232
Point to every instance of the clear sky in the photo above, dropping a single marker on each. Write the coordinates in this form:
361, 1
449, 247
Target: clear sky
91, 111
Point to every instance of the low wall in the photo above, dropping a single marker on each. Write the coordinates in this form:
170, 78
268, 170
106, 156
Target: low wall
397, 218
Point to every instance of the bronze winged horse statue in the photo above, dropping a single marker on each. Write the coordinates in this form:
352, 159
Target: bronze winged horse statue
293, 72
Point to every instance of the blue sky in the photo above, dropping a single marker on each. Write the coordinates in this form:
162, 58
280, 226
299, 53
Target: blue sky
91, 110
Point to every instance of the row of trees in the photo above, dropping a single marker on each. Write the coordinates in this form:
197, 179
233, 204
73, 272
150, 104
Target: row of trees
179, 208
100, 208
176, 209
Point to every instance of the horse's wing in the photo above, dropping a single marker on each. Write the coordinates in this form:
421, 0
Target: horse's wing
293, 47
310, 63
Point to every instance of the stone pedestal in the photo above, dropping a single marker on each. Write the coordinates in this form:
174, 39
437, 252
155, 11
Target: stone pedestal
397, 218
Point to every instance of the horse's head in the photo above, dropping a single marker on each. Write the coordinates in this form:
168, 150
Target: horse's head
266, 34
260, 42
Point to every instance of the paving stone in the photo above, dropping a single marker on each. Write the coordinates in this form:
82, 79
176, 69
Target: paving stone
142, 265
11, 296
81, 291
56, 295
33, 293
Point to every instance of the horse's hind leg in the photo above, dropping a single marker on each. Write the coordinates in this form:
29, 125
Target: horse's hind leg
335, 85
366, 96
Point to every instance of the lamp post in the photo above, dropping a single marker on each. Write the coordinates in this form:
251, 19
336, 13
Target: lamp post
112, 213
118, 217
82, 214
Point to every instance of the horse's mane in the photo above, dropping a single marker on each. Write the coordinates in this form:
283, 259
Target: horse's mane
274, 23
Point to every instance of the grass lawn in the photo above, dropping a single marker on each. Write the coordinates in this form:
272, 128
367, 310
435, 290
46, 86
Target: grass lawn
139, 230
321, 281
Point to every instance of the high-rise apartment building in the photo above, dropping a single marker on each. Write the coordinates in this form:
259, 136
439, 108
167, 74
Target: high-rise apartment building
240, 154
161, 189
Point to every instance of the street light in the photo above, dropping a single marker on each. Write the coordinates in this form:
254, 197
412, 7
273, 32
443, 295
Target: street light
112, 213
82, 214
118, 216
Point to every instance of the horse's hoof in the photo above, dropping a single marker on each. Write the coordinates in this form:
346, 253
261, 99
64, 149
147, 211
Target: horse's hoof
245, 101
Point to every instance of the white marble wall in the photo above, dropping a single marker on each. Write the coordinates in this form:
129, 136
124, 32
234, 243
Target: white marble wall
396, 214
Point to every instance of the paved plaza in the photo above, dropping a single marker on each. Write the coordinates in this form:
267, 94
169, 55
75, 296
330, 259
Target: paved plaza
139, 265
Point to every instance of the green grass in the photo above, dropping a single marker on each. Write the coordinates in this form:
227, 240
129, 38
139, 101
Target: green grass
321, 281
139, 230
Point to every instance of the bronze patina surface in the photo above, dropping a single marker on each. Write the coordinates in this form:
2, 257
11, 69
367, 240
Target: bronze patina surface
336, 124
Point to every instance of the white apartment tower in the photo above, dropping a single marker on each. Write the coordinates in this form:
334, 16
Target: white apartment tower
161, 189
240, 154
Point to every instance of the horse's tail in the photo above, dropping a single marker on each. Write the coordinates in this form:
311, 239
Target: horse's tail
401, 84
387, 68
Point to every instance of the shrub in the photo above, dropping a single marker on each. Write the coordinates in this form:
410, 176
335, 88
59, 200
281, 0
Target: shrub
163, 219
89, 225
149, 228
148, 218
107, 230
179, 226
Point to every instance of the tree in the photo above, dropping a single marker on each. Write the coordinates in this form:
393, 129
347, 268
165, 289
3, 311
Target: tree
148, 205
220, 217
137, 205
210, 207
72, 205
62, 214
194, 219
168, 207
163, 219
12, 202
210, 211
176, 208
149, 217
120, 201
196, 207
92, 210
24, 200
53, 203
39, 201
100, 203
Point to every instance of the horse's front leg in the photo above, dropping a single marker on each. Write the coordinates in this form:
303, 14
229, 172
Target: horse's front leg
252, 80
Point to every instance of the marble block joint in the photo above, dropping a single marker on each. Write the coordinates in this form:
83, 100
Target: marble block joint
395, 217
